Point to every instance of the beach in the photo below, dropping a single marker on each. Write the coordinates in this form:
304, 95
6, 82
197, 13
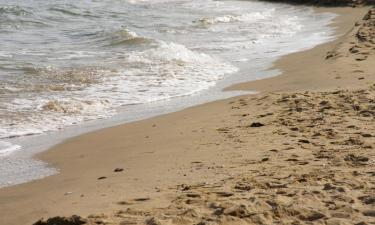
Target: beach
299, 152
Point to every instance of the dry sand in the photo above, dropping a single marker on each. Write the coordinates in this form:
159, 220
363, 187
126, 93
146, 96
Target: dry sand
300, 152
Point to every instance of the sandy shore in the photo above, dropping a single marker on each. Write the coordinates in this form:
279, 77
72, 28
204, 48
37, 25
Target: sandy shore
299, 152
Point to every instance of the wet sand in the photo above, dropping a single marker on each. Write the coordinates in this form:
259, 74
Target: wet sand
299, 152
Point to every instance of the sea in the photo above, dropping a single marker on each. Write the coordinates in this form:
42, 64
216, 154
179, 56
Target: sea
68, 67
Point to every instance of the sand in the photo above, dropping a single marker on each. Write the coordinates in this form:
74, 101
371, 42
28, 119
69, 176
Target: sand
299, 152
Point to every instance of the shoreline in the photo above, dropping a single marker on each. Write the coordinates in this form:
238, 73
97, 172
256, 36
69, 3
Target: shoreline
170, 145
31, 145
291, 79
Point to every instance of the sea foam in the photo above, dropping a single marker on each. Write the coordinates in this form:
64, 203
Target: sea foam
7, 148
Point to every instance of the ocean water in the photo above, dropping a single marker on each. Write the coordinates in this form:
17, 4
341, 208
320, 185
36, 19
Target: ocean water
64, 63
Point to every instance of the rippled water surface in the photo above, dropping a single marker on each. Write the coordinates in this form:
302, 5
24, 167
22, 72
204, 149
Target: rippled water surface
65, 62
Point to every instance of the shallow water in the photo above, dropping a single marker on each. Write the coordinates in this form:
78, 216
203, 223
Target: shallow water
67, 62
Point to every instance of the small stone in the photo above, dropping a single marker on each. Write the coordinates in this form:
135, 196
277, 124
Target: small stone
368, 200
256, 124
366, 135
328, 187
292, 160
118, 170
141, 199
224, 194
370, 213
218, 211
303, 141
193, 195
123, 203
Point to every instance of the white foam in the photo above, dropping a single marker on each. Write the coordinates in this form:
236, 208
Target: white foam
170, 52
166, 71
75, 55
7, 148
19, 170
5, 54
53, 113
249, 17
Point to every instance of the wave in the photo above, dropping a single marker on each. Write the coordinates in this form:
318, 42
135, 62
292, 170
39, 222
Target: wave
16, 17
49, 113
67, 97
250, 17
172, 70
71, 106
127, 37
170, 52
179, 62
72, 11
119, 37
7, 148
14, 10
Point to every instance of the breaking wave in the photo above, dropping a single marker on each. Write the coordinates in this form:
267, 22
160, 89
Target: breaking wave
249, 17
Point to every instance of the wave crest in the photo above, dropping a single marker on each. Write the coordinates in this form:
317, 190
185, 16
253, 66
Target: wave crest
249, 17
128, 37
